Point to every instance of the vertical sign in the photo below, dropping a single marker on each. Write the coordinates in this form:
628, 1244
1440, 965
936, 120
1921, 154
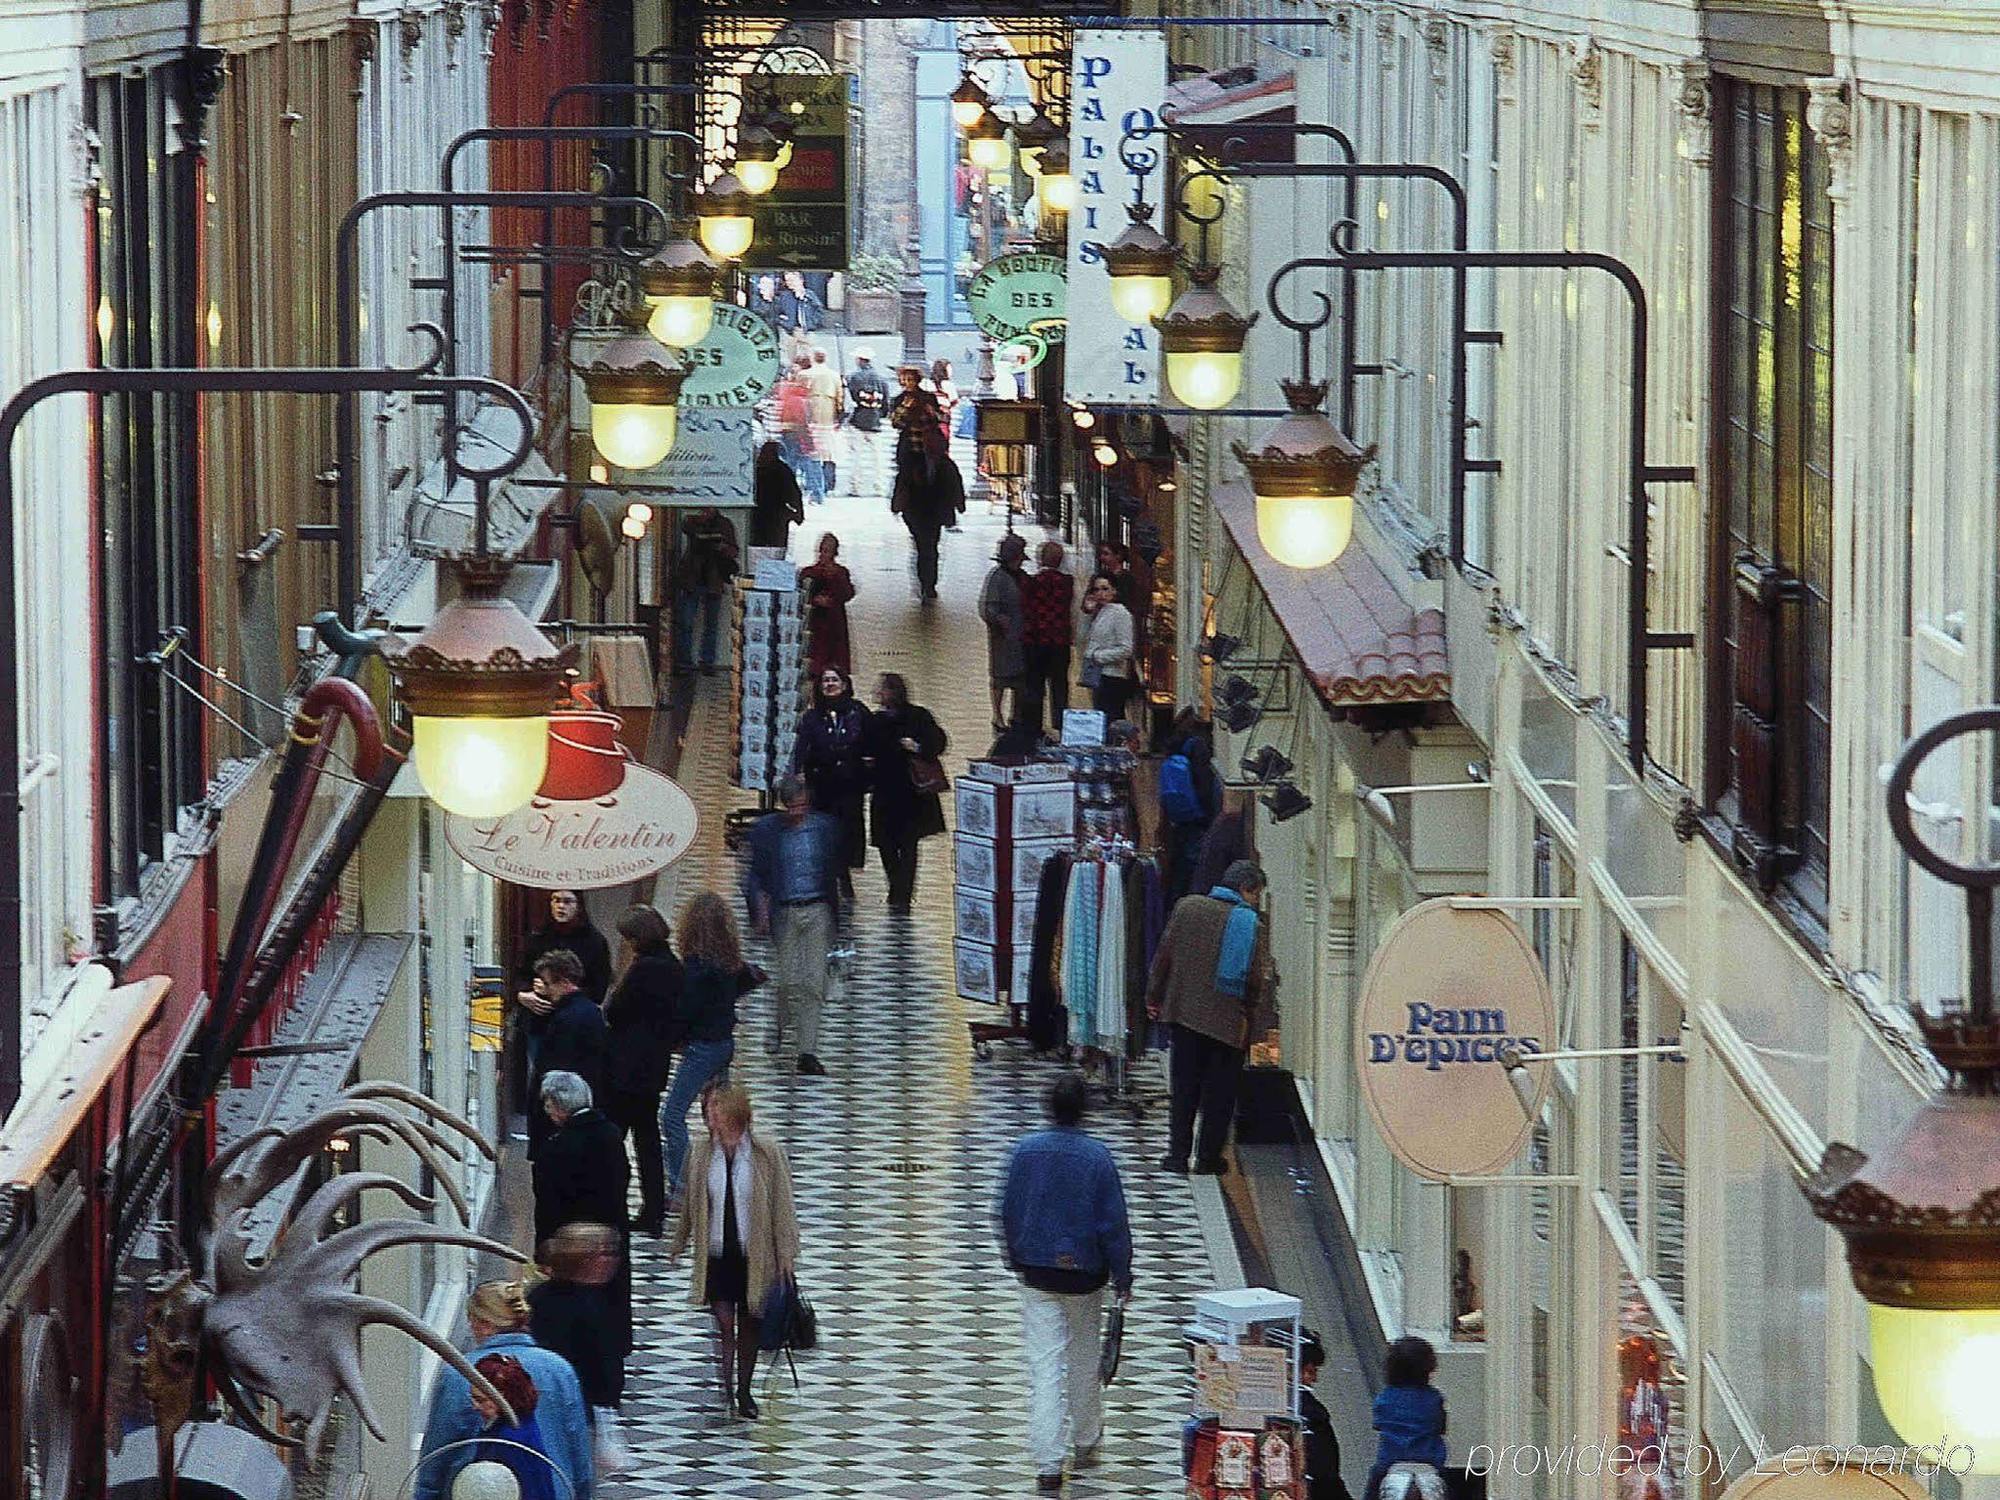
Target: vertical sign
802, 222
1119, 80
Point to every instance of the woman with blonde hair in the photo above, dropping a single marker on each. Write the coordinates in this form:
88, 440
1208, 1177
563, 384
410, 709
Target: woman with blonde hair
713, 978
741, 1221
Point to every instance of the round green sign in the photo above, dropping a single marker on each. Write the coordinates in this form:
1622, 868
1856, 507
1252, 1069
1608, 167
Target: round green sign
1019, 294
735, 365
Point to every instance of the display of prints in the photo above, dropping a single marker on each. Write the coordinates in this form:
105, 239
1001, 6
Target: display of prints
1024, 919
1045, 811
975, 860
1117, 78
976, 917
1029, 857
770, 682
978, 976
977, 804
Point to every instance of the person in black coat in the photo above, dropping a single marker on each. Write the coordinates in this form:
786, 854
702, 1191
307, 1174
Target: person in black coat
568, 927
581, 1177
778, 504
1323, 1481
571, 1313
642, 1019
574, 1038
827, 752
899, 815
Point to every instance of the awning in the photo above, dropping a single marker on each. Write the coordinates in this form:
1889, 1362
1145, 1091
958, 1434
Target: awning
42, 1123
1360, 641
332, 1017
1229, 96
513, 506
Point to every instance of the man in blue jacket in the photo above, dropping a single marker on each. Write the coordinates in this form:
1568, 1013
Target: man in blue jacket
1065, 1233
793, 892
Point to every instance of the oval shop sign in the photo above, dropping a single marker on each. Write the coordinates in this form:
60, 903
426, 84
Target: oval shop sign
735, 365
1445, 991
1019, 294
637, 830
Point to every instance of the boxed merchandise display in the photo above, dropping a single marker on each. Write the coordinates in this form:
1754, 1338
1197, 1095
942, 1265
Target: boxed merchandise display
1006, 828
770, 680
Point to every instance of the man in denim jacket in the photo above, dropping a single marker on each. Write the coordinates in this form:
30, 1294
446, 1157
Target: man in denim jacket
1064, 1231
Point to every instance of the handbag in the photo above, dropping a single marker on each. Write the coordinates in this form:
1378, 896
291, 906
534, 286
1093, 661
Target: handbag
1090, 674
788, 1323
927, 776
1114, 1344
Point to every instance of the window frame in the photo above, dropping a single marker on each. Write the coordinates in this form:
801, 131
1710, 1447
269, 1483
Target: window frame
1771, 483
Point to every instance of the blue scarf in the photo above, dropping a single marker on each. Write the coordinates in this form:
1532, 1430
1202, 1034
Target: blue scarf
1239, 943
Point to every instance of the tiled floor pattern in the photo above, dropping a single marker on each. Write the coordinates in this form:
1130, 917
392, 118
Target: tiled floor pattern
917, 1388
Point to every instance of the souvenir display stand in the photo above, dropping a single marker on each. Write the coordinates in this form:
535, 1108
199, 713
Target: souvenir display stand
1243, 1439
770, 673
1009, 820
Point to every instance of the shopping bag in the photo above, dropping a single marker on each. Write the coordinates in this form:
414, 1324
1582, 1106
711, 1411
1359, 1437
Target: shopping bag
609, 1452
1114, 1344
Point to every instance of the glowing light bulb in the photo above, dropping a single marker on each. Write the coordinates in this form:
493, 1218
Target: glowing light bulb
480, 768
680, 322
1305, 531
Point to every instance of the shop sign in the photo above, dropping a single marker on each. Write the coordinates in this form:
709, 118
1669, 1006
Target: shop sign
1117, 80
1447, 991
711, 462
801, 224
736, 365
637, 830
1021, 294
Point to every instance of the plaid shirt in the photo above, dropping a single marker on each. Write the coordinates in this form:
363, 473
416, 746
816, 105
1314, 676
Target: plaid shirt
1047, 598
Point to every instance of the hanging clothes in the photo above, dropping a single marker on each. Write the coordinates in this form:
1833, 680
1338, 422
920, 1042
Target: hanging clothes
1108, 1002
1046, 1021
1079, 939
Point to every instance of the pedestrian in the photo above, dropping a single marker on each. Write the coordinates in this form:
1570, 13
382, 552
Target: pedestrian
498, 1315
714, 977
703, 577
830, 588
827, 752
1190, 797
1107, 649
515, 1444
574, 1037
568, 927
1064, 1231
1323, 1481
571, 1314
796, 430
929, 493
1409, 1412
763, 298
1115, 563
1000, 607
942, 387
1048, 606
581, 1177
903, 746
823, 394
867, 404
1211, 981
793, 891
1232, 836
739, 1216
642, 1019
778, 505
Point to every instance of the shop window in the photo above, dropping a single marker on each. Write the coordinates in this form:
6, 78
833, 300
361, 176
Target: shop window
144, 253
1772, 372
1650, 1414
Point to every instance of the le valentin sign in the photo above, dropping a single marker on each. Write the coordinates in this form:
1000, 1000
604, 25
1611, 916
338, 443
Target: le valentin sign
1447, 992
638, 829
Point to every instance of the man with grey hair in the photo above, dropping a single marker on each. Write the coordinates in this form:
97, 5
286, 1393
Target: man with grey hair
1211, 983
793, 891
580, 1177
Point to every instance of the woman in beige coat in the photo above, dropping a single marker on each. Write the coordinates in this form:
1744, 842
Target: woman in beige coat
736, 1211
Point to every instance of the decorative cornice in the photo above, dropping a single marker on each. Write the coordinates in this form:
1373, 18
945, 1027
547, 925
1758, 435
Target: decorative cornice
410, 35
1343, 34
454, 30
1695, 99
1830, 117
1385, 39
1436, 32
86, 156
489, 25
1504, 42
1586, 66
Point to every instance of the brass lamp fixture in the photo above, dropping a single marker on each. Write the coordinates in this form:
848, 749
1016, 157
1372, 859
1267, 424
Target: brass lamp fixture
478, 683
1921, 1217
678, 283
1054, 183
968, 103
634, 385
1032, 138
724, 219
1202, 337
1304, 477
757, 153
986, 143
1141, 264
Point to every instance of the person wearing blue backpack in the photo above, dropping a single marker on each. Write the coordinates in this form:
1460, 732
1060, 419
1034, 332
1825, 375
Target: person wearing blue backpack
1190, 797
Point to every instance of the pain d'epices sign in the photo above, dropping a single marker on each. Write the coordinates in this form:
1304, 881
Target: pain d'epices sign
1449, 992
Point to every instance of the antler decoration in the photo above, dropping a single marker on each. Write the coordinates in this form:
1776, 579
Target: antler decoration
287, 1327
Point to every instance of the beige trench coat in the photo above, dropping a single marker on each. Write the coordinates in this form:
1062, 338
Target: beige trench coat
774, 1226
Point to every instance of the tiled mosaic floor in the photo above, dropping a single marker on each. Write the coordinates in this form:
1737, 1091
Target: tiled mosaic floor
917, 1389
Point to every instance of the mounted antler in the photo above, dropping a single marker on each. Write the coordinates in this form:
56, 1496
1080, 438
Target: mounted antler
287, 1327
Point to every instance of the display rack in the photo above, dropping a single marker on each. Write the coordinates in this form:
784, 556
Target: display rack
1243, 1437
1009, 820
769, 684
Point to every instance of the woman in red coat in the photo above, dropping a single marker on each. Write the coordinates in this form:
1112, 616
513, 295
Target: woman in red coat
831, 587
